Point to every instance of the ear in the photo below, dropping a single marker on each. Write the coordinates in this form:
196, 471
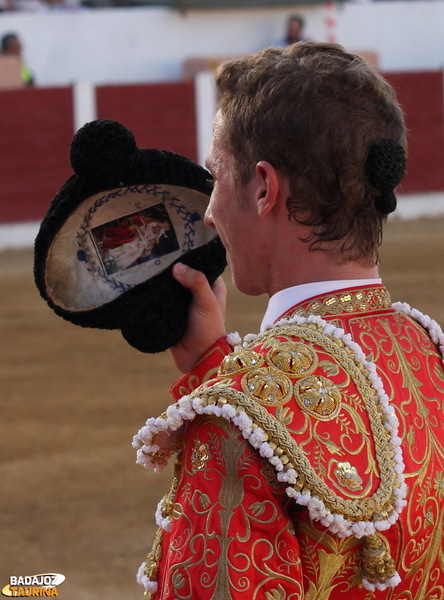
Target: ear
272, 186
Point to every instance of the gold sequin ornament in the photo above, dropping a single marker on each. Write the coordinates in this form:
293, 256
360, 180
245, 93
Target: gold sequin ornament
199, 456
348, 476
239, 361
296, 359
268, 387
318, 397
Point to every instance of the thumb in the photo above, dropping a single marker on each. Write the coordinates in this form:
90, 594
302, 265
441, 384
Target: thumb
187, 276
205, 318
197, 283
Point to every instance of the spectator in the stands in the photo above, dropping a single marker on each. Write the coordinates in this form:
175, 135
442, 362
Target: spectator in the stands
11, 46
21, 5
295, 30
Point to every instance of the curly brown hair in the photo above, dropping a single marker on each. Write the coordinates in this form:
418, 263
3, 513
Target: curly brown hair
313, 110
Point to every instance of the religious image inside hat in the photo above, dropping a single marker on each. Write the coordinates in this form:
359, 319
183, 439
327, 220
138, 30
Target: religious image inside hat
105, 249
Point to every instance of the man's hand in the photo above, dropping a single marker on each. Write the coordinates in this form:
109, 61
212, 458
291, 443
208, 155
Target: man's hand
205, 317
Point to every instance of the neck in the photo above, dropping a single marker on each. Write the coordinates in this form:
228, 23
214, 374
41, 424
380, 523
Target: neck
287, 259
315, 267
287, 282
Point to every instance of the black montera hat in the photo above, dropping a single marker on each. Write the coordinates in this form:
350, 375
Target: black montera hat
105, 249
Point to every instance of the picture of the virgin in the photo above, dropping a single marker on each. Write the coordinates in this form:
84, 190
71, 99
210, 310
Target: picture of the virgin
134, 239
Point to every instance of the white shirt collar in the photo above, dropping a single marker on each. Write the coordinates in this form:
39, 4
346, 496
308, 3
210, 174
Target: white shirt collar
283, 300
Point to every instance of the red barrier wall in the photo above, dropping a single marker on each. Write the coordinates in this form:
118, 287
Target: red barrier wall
421, 97
160, 116
37, 129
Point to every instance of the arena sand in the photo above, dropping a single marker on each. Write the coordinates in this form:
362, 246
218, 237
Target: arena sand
72, 499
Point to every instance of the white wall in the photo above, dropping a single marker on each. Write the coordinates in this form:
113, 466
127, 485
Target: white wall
150, 44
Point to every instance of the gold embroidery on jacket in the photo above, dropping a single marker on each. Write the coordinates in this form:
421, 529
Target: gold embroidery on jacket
407, 358
334, 360
377, 506
219, 574
347, 302
269, 387
193, 381
240, 361
155, 556
313, 475
152, 561
328, 561
294, 358
348, 476
377, 563
277, 593
318, 397
199, 456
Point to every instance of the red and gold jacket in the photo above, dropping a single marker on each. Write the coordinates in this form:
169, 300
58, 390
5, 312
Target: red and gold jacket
310, 460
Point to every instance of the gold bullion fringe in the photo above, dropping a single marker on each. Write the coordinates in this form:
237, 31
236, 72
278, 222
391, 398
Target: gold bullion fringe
377, 564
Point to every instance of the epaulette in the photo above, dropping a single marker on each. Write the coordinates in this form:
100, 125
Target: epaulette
306, 397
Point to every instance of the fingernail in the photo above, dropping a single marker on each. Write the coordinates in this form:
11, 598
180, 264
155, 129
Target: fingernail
180, 269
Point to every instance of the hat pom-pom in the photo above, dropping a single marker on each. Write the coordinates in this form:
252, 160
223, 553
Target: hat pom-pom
103, 152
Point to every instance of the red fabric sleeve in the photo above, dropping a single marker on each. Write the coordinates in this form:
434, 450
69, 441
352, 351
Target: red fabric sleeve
231, 537
205, 368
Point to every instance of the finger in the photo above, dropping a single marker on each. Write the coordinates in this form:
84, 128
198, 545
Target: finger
220, 292
188, 277
197, 283
205, 318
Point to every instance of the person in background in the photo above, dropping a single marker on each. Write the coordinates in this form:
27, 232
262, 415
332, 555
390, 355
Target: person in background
295, 30
310, 456
21, 5
11, 46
